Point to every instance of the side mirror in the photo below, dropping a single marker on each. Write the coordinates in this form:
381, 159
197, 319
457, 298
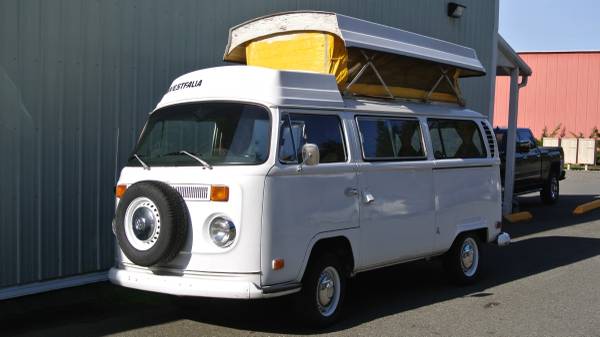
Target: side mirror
523, 146
310, 155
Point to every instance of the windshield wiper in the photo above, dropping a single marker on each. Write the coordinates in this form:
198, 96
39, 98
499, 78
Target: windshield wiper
191, 155
144, 165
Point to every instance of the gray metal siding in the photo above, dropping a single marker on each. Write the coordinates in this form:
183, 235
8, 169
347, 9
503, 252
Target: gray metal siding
77, 79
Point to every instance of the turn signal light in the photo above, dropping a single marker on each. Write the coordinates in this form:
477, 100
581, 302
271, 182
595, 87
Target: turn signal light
219, 193
277, 264
120, 190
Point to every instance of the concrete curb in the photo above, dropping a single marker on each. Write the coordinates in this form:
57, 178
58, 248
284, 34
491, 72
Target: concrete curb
588, 206
518, 217
39, 287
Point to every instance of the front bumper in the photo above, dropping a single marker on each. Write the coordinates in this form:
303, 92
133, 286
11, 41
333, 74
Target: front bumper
238, 286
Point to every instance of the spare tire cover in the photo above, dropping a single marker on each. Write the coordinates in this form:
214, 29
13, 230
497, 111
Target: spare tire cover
151, 223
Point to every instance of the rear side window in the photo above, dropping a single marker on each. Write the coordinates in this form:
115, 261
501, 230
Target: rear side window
323, 130
452, 138
390, 138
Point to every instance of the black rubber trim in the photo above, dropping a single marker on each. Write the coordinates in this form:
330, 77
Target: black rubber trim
280, 287
461, 167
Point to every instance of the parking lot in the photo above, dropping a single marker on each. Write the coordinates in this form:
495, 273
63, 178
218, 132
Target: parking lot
546, 283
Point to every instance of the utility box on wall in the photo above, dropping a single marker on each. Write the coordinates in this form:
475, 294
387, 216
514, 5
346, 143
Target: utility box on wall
586, 151
547, 141
569, 146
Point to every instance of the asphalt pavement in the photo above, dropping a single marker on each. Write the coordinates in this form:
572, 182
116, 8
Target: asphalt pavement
546, 283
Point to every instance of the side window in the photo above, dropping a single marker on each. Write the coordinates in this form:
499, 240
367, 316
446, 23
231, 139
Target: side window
436, 141
390, 138
323, 130
525, 135
452, 138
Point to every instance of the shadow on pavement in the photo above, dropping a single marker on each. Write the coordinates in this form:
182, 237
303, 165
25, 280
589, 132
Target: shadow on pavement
547, 217
101, 309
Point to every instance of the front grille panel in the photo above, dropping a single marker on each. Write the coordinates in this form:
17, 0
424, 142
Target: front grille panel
193, 192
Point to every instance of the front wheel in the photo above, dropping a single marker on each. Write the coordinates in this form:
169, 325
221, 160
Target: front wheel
463, 261
323, 289
549, 193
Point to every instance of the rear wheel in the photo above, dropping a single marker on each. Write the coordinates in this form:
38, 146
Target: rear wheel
550, 190
463, 261
323, 289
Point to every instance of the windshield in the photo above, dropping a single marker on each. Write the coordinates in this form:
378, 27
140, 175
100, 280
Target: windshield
217, 133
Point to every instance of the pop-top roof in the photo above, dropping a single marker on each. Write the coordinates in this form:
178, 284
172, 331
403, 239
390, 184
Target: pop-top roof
355, 33
291, 89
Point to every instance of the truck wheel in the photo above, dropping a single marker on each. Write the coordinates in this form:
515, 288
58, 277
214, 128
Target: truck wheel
550, 190
151, 223
323, 289
462, 262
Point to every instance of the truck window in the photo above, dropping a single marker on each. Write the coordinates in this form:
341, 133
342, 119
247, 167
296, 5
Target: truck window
323, 130
525, 135
453, 138
390, 138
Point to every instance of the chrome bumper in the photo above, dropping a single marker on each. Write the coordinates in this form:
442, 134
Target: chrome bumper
240, 286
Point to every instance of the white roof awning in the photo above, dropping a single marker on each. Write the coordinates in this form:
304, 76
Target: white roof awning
509, 59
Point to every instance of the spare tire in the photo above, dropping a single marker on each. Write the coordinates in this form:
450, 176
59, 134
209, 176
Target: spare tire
151, 223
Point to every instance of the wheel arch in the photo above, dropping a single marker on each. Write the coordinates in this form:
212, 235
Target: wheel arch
337, 243
555, 167
482, 232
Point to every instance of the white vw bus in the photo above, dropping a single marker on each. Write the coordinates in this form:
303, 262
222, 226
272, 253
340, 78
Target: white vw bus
249, 182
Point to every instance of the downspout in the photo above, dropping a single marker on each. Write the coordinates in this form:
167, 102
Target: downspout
523, 81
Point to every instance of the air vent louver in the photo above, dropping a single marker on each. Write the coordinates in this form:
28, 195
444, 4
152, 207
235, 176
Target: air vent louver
193, 192
490, 138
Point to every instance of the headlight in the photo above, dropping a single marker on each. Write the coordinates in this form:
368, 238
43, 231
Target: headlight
222, 231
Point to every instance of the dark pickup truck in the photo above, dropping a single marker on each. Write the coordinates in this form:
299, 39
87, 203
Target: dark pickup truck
536, 168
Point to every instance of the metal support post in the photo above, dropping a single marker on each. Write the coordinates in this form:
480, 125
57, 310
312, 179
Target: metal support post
511, 142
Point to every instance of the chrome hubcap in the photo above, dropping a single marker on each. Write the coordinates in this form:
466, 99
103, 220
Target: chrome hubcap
554, 188
469, 257
142, 223
328, 291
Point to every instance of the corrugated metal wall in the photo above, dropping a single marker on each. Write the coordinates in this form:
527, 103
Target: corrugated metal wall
77, 79
564, 89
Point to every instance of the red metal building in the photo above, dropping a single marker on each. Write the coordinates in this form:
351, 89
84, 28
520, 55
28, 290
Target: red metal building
564, 89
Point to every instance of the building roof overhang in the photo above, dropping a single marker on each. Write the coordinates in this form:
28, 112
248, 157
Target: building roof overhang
509, 59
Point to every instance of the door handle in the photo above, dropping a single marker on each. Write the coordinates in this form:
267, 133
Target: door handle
351, 191
368, 198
